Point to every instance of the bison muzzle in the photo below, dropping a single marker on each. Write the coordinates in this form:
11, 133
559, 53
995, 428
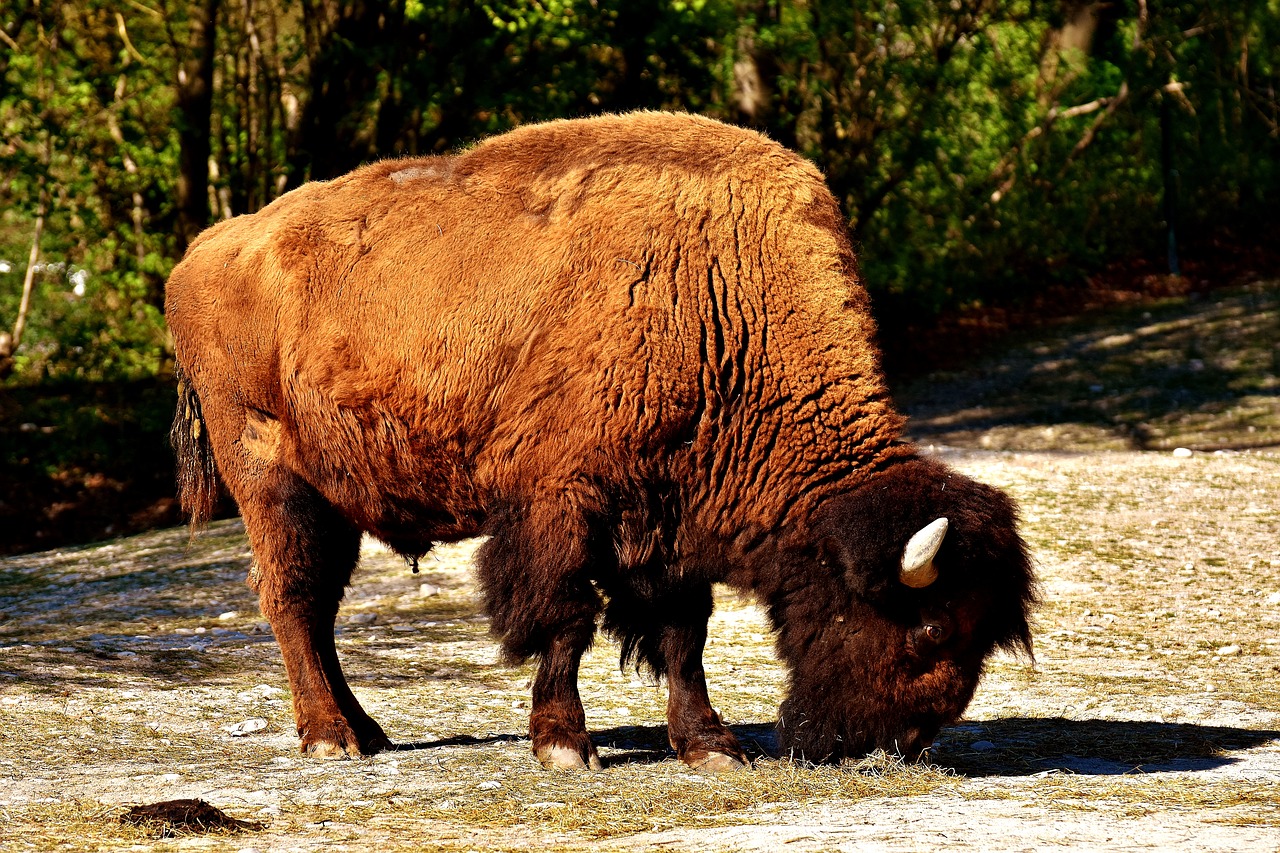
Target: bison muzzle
635, 354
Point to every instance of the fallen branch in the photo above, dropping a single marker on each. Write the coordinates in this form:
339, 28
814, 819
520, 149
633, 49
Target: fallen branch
1092, 131
1006, 164
124, 36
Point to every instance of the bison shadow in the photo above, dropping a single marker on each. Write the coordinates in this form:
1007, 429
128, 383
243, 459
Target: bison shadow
625, 744
1017, 746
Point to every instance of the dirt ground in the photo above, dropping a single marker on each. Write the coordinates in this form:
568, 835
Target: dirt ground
140, 670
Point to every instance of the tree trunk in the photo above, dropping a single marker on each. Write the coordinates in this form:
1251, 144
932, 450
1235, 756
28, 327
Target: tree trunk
195, 117
9, 343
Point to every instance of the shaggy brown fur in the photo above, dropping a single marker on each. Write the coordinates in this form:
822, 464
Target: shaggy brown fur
634, 351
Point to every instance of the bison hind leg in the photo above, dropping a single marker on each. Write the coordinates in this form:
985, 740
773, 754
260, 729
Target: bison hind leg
304, 554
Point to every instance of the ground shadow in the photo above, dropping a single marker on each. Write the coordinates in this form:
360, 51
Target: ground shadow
457, 740
648, 744
634, 744
1031, 745
1183, 368
1017, 746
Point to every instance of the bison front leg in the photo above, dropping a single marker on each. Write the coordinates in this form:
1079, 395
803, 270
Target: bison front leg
694, 729
558, 724
304, 553
667, 633
535, 570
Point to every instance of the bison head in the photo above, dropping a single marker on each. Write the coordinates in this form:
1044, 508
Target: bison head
909, 583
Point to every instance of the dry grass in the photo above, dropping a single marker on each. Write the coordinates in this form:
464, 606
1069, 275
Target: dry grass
1151, 714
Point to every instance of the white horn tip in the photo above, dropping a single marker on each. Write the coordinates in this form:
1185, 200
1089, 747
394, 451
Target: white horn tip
917, 558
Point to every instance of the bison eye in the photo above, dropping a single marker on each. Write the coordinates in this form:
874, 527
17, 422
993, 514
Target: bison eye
930, 635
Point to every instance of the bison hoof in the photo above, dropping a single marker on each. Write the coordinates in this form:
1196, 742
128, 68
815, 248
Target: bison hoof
715, 762
375, 744
339, 741
330, 750
566, 758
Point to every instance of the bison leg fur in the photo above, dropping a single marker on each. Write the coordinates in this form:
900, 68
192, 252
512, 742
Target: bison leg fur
534, 571
558, 724
667, 634
304, 553
694, 728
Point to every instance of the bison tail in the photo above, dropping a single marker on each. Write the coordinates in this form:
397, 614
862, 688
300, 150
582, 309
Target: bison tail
197, 474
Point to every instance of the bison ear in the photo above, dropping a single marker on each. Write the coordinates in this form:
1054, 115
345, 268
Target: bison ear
835, 553
830, 553
917, 569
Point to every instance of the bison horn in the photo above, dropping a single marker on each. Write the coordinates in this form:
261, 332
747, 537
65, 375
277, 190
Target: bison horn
917, 558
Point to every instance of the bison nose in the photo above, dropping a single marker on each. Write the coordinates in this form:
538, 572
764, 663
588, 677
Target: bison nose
910, 745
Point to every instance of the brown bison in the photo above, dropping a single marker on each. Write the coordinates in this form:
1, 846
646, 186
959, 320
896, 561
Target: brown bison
633, 351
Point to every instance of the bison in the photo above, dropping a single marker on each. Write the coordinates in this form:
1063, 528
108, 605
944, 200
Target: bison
634, 353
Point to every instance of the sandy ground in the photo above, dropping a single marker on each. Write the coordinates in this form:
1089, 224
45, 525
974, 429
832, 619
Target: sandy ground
140, 671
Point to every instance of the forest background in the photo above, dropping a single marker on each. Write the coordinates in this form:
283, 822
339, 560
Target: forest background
989, 154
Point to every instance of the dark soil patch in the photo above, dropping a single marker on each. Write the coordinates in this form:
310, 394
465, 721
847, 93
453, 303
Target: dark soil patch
82, 463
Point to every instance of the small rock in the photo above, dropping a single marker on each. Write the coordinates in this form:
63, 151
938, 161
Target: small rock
1181, 452
1232, 649
982, 745
362, 618
248, 727
228, 616
491, 785
427, 590
1274, 598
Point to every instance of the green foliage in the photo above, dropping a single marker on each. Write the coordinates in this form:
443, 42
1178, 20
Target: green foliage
981, 146
454, 71
76, 106
99, 335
